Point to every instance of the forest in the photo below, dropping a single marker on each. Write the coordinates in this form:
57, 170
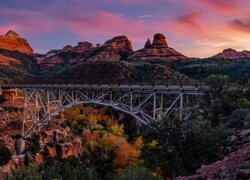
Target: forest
117, 148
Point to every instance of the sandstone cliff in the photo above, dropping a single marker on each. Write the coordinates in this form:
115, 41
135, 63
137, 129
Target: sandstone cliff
12, 41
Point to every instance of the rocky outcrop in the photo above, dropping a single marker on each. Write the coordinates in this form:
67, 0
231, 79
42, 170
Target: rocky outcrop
232, 54
233, 166
82, 47
12, 41
67, 149
158, 50
118, 44
159, 40
15, 163
147, 44
114, 49
67, 48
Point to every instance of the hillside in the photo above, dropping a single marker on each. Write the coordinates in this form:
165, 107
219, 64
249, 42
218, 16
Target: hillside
16, 66
237, 69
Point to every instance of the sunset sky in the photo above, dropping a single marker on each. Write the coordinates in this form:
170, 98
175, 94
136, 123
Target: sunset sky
197, 28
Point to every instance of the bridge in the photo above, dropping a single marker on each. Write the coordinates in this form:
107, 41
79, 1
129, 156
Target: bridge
146, 103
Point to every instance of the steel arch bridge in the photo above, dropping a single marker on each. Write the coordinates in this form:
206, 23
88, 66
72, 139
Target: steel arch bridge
146, 103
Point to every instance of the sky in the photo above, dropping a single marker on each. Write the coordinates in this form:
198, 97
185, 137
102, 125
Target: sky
196, 28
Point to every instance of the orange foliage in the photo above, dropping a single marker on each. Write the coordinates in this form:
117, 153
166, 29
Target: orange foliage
105, 138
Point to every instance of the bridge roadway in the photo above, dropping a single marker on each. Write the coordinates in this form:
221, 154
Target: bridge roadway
184, 89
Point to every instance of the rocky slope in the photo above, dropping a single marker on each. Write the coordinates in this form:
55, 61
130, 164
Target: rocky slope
234, 166
12, 41
16, 66
120, 72
200, 69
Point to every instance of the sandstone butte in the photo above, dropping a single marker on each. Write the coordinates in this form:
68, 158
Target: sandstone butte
12, 41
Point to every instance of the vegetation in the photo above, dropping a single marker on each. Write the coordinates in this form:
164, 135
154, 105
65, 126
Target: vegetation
34, 144
181, 148
70, 168
105, 144
2, 99
5, 155
166, 150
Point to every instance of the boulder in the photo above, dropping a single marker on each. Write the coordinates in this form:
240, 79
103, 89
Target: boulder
67, 149
51, 151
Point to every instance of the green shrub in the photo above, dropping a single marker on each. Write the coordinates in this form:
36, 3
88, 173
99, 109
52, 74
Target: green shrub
11, 108
2, 99
5, 155
70, 168
136, 173
239, 119
27, 173
34, 146
15, 123
180, 149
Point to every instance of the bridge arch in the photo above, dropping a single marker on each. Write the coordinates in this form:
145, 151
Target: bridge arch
144, 103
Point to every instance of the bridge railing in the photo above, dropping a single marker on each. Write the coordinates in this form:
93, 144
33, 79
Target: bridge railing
90, 81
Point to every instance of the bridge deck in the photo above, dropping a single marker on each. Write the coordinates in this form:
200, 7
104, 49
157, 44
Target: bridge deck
106, 87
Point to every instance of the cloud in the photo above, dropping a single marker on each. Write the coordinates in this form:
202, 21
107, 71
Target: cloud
190, 20
241, 25
145, 16
197, 26
228, 7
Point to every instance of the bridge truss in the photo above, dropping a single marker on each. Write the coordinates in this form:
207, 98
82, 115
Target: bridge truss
145, 103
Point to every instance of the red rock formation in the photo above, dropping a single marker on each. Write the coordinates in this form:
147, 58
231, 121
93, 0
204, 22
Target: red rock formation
114, 49
147, 44
232, 54
159, 40
158, 50
67, 48
119, 43
82, 47
12, 41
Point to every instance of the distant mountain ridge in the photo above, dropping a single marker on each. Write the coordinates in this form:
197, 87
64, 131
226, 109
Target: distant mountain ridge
116, 61
232, 54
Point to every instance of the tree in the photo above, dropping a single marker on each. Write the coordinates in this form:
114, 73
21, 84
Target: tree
2, 99
175, 149
136, 173
5, 155
216, 102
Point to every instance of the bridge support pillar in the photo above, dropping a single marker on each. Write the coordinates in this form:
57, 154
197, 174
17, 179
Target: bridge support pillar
181, 107
20, 145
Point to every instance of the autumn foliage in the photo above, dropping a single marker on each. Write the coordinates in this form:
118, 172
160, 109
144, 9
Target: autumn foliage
105, 144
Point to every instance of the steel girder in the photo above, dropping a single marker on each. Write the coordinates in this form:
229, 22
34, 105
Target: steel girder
42, 104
